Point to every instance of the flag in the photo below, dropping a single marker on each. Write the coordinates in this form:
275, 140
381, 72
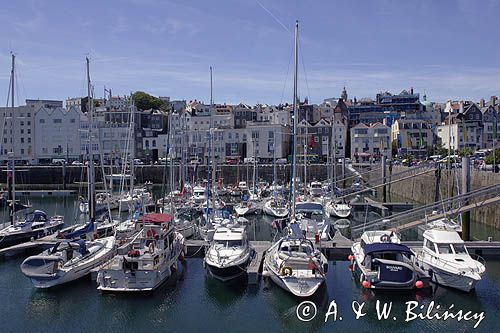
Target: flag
311, 141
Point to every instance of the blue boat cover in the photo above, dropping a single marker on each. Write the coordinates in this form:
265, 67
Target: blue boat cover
385, 247
308, 207
89, 227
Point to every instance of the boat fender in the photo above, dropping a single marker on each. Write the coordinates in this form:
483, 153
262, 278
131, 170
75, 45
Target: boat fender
431, 273
286, 271
325, 268
151, 247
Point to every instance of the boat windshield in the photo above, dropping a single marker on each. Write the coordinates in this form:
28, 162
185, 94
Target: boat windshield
459, 248
444, 249
228, 243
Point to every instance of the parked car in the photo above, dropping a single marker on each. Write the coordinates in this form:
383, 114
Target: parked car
249, 160
281, 161
58, 161
78, 163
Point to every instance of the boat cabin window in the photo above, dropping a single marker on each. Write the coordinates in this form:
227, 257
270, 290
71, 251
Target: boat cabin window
459, 248
232, 243
444, 249
229, 243
430, 245
300, 249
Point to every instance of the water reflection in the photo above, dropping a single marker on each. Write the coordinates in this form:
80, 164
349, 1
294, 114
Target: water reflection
284, 306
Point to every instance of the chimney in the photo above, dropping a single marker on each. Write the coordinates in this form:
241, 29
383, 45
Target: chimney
411, 90
461, 109
481, 102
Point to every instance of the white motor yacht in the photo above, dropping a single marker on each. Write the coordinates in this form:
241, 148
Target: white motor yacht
148, 260
382, 262
316, 189
199, 194
229, 253
446, 258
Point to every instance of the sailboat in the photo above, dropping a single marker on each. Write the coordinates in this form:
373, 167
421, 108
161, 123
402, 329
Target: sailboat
335, 207
250, 203
34, 224
72, 257
276, 205
293, 262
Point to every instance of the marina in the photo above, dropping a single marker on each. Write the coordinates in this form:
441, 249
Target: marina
262, 305
284, 203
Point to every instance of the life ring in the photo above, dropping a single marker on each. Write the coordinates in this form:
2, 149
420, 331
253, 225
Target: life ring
286, 271
151, 247
385, 238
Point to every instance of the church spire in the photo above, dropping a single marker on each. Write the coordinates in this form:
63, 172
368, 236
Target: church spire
344, 94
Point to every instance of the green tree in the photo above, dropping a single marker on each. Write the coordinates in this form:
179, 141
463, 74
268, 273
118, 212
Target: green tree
489, 158
465, 152
145, 101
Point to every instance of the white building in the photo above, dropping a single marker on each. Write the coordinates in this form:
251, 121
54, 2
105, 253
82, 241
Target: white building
57, 134
267, 141
370, 142
463, 129
17, 133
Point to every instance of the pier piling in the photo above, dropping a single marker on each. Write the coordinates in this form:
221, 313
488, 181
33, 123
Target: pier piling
466, 187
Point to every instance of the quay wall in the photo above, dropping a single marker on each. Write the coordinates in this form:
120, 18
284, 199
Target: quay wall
422, 189
73, 177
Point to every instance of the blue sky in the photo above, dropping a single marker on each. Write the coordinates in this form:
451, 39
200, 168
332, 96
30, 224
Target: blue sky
449, 49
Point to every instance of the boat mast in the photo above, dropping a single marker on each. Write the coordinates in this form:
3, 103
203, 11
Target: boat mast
91, 161
132, 151
334, 156
294, 146
13, 158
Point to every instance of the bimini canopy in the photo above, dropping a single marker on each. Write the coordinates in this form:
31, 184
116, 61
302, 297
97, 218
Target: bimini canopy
386, 247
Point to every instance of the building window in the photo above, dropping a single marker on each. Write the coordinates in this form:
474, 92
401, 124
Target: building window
22, 151
42, 121
57, 121
72, 120
22, 140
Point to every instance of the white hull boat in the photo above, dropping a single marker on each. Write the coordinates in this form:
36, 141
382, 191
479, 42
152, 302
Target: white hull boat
276, 208
445, 257
229, 254
67, 261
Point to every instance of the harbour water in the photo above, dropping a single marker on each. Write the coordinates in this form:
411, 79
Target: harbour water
193, 302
